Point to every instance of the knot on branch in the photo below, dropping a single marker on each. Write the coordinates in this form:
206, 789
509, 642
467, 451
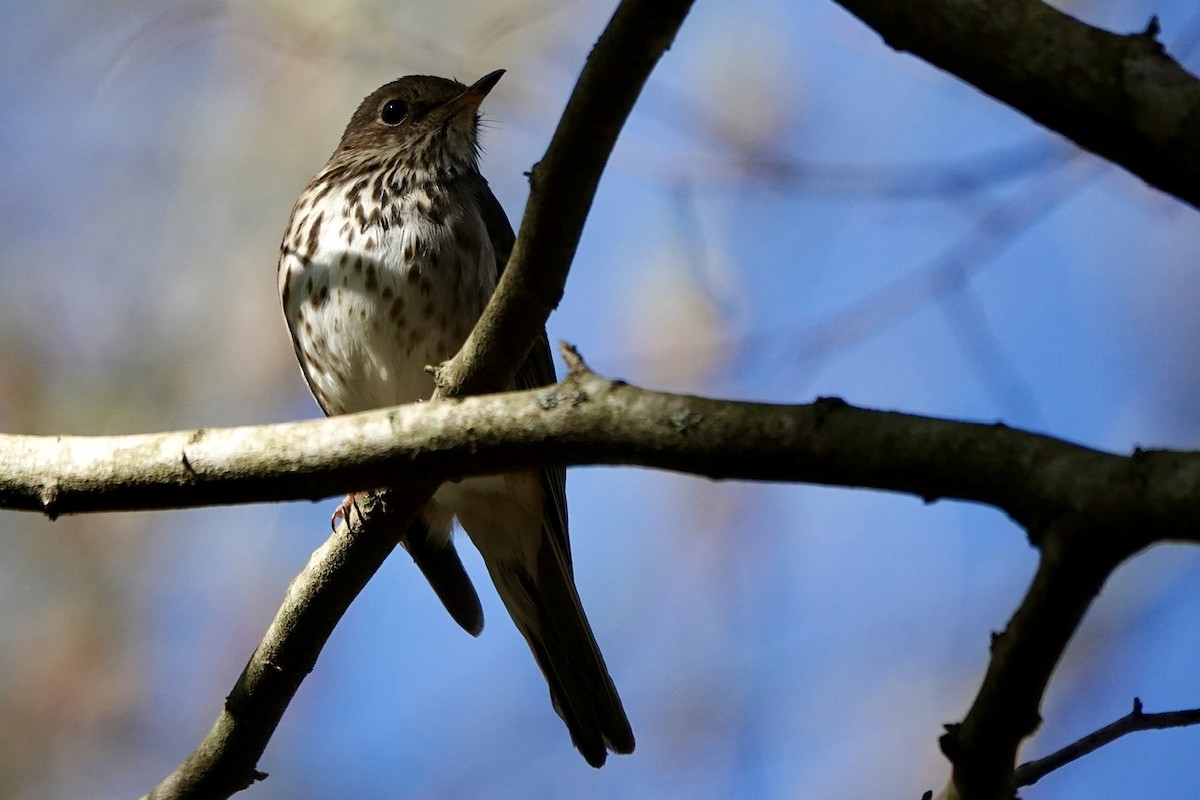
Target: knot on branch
48, 496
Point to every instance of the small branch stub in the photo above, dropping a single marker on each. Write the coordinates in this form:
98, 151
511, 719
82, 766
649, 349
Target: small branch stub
572, 358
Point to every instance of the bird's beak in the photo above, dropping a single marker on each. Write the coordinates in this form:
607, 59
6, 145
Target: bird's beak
470, 99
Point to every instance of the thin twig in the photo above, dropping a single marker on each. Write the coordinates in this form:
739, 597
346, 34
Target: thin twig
1031, 772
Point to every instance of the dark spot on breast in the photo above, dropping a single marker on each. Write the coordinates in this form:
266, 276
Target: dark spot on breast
397, 317
425, 285
337, 174
411, 248
386, 292
433, 259
378, 193
427, 309
358, 265
323, 190
372, 282
298, 232
314, 235
369, 244
321, 296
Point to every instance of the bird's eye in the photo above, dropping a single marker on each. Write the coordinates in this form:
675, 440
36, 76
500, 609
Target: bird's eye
393, 112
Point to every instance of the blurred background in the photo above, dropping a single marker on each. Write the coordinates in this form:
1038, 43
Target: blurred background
794, 210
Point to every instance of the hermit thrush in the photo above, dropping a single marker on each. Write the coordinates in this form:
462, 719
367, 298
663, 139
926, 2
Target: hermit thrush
392, 251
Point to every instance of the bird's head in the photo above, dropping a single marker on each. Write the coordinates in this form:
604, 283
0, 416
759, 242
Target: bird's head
430, 123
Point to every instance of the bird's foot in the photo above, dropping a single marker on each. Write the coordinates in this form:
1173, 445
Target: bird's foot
345, 511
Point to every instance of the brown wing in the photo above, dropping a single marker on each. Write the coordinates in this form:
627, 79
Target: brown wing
537, 369
541, 596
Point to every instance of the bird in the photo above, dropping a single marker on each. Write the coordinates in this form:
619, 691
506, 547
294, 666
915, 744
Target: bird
391, 253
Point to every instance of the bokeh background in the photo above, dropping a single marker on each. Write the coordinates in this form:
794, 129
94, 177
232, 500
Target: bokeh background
794, 210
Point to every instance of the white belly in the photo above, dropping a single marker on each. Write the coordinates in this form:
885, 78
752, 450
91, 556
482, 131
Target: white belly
369, 312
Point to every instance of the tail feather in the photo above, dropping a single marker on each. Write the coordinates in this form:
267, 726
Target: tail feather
439, 563
545, 606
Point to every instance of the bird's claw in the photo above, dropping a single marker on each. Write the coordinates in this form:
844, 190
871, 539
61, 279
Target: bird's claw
345, 510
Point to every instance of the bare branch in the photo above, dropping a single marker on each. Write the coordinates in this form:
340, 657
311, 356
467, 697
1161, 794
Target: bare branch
1121, 97
1077, 558
589, 420
1031, 772
226, 761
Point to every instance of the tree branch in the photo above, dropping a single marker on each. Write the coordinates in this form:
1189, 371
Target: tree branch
1038, 480
226, 760
1121, 97
1077, 556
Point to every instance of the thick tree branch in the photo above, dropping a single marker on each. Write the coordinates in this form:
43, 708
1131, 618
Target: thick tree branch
1038, 480
1121, 97
1078, 555
638, 34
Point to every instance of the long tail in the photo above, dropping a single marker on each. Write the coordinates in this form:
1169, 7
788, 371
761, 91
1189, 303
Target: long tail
544, 604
